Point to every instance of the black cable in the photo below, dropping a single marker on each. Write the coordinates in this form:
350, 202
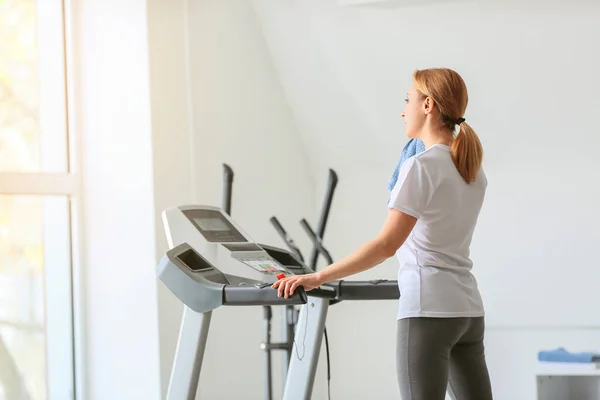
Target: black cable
326, 350
328, 366
303, 339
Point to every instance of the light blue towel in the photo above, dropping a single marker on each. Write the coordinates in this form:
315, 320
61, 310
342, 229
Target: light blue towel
413, 147
562, 355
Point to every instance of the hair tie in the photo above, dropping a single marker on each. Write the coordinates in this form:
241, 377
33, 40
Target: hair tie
460, 121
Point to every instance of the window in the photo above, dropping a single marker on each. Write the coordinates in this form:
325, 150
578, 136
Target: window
38, 192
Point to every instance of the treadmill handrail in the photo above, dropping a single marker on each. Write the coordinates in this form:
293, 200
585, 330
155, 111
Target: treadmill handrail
377, 289
260, 295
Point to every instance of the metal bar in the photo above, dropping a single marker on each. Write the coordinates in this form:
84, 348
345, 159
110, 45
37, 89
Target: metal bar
316, 241
286, 238
307, 345
287, 317
268, 366
191, 345
227, 188
331, 185
276, 346
287, 338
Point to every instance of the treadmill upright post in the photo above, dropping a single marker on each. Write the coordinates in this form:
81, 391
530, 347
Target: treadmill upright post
307, 346
267, 316
191, 344
287, 338
288, 312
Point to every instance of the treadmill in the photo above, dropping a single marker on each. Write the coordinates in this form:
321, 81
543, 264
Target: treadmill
212, 262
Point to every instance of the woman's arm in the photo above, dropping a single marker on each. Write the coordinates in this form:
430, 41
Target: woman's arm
396, 229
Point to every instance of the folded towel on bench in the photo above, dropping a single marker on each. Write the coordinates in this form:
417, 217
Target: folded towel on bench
562, 355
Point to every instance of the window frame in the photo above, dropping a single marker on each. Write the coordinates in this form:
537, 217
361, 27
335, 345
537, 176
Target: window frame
56, 82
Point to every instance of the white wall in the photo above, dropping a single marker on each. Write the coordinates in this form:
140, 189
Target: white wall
532, 83
216, 98
302, 87
116, 284
172, 157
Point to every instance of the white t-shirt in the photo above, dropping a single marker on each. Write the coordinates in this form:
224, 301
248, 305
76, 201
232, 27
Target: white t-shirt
435, 278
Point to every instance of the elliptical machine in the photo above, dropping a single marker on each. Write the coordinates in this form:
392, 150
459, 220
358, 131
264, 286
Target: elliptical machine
289, 313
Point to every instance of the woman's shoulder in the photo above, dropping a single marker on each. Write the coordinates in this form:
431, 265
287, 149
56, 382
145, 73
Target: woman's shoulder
436, 155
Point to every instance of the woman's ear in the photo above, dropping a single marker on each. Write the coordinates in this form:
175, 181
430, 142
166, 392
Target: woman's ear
428, 105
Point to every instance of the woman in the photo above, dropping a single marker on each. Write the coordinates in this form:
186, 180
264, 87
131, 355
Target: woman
433, 209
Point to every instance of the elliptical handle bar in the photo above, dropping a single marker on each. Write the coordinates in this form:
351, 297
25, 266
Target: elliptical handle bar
286, 238
227, 188
317, 243
331, 185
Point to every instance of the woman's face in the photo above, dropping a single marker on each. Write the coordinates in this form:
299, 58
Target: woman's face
414, 113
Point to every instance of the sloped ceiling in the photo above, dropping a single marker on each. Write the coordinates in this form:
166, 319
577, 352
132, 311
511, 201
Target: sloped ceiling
332, 100
345, 70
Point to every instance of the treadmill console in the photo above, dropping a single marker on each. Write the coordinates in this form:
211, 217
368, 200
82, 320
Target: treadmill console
214, 226
221, 242
192, 279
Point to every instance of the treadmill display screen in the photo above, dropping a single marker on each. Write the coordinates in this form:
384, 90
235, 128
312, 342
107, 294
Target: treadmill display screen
211, 224
214, 226
264, 265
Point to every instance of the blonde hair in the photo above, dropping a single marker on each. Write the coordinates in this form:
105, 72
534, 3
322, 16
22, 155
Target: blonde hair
449, 93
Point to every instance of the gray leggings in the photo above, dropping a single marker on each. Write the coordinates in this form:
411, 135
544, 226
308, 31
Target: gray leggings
439, 354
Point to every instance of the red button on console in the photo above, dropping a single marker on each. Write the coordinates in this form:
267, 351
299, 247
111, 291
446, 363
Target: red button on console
281, 276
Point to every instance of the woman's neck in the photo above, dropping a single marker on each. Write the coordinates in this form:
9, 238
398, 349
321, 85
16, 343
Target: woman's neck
431, 137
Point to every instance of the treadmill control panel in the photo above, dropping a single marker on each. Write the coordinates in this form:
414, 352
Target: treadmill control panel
264, 265
214, 226
254, 256
226, 246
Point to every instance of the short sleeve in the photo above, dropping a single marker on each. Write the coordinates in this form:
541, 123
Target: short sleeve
413, 189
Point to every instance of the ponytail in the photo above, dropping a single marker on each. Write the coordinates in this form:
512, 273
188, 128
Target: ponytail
467, 152
448, 91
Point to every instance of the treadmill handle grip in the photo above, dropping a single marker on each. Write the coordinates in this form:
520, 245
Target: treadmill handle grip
260, 295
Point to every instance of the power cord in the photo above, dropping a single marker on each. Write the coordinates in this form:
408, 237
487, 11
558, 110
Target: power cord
328, 365
303, 339
326, 350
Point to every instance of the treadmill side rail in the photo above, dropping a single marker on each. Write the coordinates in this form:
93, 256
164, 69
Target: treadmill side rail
307, 346
185, 373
